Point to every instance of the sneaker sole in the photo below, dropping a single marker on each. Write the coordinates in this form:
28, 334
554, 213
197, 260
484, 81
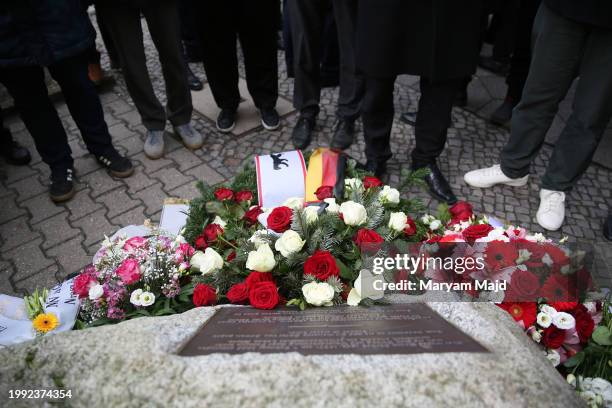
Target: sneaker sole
268, 127
517, 183
64, 197
122, 174
228, 130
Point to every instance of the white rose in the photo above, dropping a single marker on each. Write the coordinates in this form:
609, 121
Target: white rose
207, 262
219, 221
259, 238
332, 206
289, 243
295, 203
318, 294
564, 321
389, 195
353, 213
435, 225
353, 183
553, 357
354, 297
135, 297
261, 260
311, 214
544, 319
398, 221
147, 299
96, 292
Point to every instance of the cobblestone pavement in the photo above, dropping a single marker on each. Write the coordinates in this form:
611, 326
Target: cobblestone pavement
41, 242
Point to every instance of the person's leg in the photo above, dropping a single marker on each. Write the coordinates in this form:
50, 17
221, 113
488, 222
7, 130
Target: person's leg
27, 87
556, 55
307, 19
377, 115
189, 32
433, 119
163, 21
12, 151
258, 23
123, 22
591, 113
330, 51
107, 39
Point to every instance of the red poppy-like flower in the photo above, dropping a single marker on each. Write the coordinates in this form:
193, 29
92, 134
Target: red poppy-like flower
553, 337
558, 288
200, 242
244, 195
365, 238
321, 265
473, 232
204, 295
370, 181
500, 255
211, 232
264, 295
462, 211
238, 293
223, 194
250, 216
524, 312
279, 219
324, 192
410, 228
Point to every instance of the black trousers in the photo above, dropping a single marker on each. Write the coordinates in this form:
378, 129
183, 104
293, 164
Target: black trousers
563, 49
307, 23
27, 87
123, 22
189, 31
433, 118
255, 24
5, 134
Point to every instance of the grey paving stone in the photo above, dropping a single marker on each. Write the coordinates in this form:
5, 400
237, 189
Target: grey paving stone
205, 173
171, 178
99, 182
117, 202
135, 216
41, 207
55, 230
29, 187
94, 227
28, 259
44, 278
81, 205
17, 232
71, 256
152, 197
9, 207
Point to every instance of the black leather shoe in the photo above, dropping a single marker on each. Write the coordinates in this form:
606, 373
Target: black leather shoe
14, 153
494, 65
409, 118
193, 81
379, 169
438, 185
607, 229
344, 134
302, 133
503, 114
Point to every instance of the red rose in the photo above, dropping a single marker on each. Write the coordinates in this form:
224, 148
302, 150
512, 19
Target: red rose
264, 295
370, 181
211, 232
433, 239
321, 265
410, 228
238, 293
584, 323
204, 295
256, 277
524, 287
553, 338
473, 232
366, 237
200, 242
223, 194
462, 211
250, 217
324, 192
244, 195
279, 219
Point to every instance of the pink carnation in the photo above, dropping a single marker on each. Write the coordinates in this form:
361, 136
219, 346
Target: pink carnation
115, 313
184, 252
82, 283
129, 271
135, 243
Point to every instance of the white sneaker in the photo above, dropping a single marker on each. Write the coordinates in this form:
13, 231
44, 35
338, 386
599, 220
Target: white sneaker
552, 209
490, 176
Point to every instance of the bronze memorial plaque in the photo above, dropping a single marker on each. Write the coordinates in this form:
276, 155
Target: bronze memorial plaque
393, 329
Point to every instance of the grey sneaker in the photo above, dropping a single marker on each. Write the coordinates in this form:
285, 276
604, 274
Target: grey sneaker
191, 138
154, 145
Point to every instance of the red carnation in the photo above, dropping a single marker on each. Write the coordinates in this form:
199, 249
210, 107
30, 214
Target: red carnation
321, 265
473, 232
200, 242
256, 277
211, 232
584, 323
244, 195
82, 283
524, 312
410, 228
324, 192
370, 181
553, 337
204, 295
223, 194
279, 219
238, 293
250, 217
462, 211
366, 237
264, 295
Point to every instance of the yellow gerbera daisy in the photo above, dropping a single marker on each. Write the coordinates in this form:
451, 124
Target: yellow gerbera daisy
45, 322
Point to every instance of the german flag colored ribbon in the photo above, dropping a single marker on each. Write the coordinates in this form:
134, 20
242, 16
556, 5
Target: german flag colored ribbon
325, 168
